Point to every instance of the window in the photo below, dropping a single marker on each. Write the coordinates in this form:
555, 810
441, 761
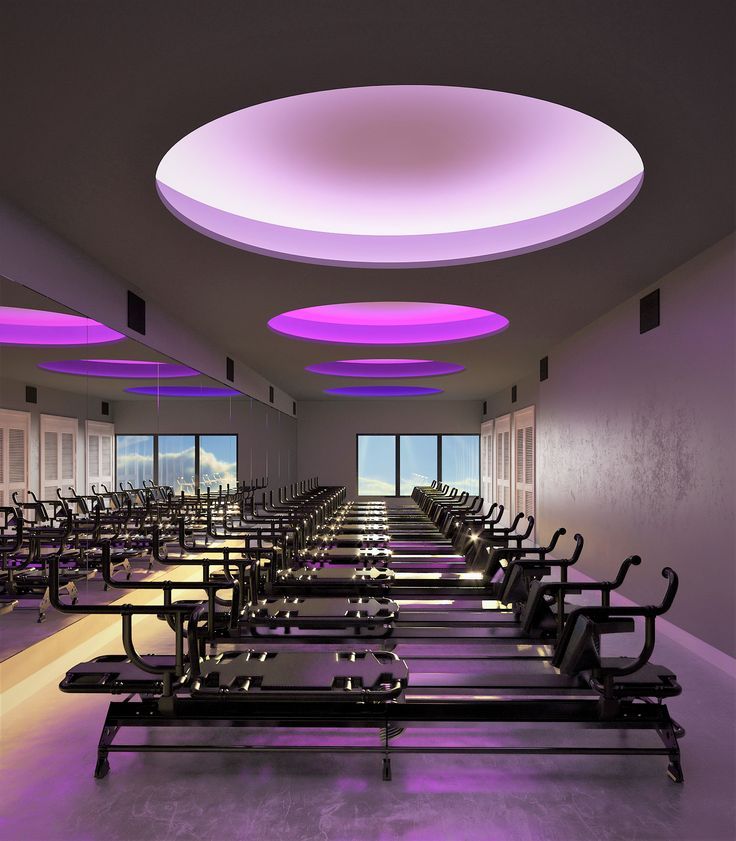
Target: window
176, 462
418, 460
183, 462
376, 465
461, 462
392, 465
218, 461
134, 459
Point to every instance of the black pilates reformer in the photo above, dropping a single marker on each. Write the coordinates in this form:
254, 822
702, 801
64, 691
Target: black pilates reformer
376, 691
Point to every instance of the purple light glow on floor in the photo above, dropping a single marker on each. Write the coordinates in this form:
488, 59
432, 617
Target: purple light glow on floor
20, 326
119, 368
383, 391
388, 323
399, 176
183, 391
385, 368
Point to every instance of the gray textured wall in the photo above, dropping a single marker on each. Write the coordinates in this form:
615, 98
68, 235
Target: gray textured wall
327, 430
266, 437
635, 443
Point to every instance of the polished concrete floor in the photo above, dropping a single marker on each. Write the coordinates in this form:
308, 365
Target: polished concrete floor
48, 791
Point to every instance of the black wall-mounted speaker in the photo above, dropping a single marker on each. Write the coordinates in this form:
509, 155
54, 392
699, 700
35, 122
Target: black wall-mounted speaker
136, 313
543, 369
649, 312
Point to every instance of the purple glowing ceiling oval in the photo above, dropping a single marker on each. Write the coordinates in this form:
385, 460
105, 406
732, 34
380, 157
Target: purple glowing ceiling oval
388, 323
399, 176
45, 328
183, 391
129, 369
385, 368
383, 391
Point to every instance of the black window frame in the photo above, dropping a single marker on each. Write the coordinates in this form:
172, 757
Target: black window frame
397, 443
195, 435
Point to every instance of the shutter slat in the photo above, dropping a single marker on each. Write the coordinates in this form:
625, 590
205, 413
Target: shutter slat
51, 456
67, 457
106, 457
93, 454
17, 456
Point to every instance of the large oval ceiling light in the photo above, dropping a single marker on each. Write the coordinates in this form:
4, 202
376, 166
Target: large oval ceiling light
388, 323
385, 368
399, 176
383, 391
44, 328
183, 391
129, 369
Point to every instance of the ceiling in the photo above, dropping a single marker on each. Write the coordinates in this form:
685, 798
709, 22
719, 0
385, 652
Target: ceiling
98, 92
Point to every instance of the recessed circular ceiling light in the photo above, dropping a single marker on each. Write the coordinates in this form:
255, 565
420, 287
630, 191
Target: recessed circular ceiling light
183, 391
119, 368
399, 176
383, 391
385, 368
388, 323
21, 326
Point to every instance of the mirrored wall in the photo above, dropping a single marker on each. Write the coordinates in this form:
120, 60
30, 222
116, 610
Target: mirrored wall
85, 410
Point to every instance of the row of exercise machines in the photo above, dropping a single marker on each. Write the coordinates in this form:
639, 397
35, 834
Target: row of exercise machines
404, 627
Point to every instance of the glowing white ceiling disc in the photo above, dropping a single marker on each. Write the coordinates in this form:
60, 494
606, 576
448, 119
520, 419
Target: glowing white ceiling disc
399, 176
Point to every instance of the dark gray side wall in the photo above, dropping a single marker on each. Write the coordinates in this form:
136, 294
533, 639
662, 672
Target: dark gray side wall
635, 443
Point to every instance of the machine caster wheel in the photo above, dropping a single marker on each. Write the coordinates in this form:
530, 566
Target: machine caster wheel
674, 772
386, 773
105, 588
74, 600
102, 769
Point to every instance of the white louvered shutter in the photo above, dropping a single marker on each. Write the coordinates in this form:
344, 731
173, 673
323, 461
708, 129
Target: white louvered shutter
14, 434
503, 466
58, 455
99, 454
487, 489
524, 477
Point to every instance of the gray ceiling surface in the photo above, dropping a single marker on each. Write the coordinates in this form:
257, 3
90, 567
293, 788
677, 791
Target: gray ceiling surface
94, 94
